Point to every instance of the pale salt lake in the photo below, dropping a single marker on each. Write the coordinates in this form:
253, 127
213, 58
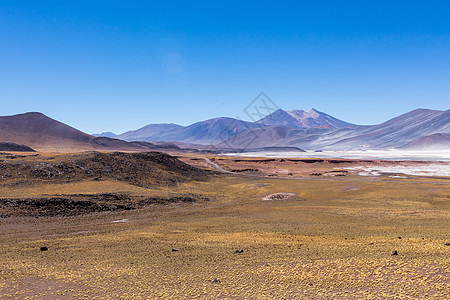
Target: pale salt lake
439, 161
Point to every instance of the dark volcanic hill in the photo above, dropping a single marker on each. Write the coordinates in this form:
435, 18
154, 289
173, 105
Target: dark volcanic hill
15, 147
41, 132
142, 169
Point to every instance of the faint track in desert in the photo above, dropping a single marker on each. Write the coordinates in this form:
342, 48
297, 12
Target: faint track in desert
216, 166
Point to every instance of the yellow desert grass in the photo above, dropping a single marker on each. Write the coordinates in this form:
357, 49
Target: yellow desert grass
332, 240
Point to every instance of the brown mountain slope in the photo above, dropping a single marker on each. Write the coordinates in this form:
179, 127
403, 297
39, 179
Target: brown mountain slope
42, 133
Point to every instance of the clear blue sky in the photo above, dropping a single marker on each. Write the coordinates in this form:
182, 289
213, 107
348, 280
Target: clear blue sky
119, 65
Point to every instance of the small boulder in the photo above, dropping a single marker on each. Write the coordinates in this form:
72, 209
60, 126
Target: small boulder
447, 244
215, 280
394, 252
239, 251
173, 249
44, 248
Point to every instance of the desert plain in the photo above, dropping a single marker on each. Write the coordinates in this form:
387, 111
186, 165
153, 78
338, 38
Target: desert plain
202, 226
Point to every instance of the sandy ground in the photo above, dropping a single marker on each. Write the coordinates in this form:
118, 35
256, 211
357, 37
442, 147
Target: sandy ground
332, 239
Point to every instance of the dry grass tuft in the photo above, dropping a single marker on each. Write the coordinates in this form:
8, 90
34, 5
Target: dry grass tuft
334, 244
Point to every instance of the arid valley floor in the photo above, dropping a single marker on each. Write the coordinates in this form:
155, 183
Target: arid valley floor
116, 230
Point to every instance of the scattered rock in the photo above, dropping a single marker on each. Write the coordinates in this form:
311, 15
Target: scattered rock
244, 170
143, 169
44, 248
394, 252
71, 205
81, 204
120, 221
278, 196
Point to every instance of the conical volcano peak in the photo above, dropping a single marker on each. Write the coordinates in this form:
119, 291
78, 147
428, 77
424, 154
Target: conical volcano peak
313, 113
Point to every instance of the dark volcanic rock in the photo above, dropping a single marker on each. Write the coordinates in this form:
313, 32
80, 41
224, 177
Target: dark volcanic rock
244, 170
81, 204
142, 169
15, 147
58, 206
148, 170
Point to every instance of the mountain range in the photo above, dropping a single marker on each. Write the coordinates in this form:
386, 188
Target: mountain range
204, 133
406, 131
296, 129
38, 131
217, 130
310, 130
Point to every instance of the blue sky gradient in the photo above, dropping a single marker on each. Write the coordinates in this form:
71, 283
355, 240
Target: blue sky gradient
120, 65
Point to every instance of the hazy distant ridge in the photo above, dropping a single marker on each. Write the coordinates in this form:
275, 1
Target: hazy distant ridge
217, 130
310, 130
394, 133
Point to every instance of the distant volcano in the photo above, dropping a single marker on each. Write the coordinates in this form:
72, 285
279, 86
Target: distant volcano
302, 119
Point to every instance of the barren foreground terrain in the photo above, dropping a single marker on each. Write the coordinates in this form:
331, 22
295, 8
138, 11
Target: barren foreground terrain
253, 229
